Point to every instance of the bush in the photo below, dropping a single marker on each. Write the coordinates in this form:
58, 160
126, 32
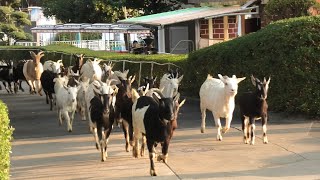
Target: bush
64, 52
287, 50
5, 144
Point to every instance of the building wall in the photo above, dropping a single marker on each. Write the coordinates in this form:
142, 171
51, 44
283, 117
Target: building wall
217, 25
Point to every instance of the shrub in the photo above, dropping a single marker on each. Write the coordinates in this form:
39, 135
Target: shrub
283, 9
5, 144
64, 52
287, 50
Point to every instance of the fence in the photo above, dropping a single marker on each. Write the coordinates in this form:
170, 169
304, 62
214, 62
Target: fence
97, 45
140, 67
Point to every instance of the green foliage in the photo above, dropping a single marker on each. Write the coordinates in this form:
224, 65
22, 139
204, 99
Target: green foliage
288, 51
5, 142
283, 9
64, 52
153, 7
12, 23
83, 11
104, 11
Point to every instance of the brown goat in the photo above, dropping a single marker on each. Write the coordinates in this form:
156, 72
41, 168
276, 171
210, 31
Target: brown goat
32, 71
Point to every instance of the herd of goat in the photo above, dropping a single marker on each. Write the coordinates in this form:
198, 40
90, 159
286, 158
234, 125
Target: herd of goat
149, 113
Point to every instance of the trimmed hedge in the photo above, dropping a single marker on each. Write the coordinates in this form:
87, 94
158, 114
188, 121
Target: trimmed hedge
287, 50
5, 142
56, 51
65, 51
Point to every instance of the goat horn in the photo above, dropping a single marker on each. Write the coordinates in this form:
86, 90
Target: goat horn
157, 91
59, 61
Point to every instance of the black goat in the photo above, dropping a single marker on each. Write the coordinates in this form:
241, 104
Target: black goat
78, 63
123, 110
146, 80
48, 85
253, 106
156, 119
6, 75
19, 76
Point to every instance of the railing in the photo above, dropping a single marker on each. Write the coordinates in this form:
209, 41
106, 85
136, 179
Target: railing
188, 41
97, 45
152, 63
26, 43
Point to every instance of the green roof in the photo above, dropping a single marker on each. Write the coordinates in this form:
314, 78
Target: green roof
181, 15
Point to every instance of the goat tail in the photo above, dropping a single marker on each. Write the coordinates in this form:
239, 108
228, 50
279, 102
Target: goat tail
135, 95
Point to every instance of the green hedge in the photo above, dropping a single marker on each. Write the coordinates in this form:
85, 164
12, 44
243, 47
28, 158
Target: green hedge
64, 52
5, 142
287, 50
56, 50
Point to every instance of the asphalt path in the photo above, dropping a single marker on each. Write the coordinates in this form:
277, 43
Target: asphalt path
42, 149
31, 117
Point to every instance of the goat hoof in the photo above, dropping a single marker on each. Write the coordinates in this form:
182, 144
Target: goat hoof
127, 148
202, 130
153, 173
97, 146
224, 130
69, 130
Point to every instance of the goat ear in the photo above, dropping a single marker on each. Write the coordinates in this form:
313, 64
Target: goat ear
177, 97
268, 80
96, 84
180, 79
156, 97
222, 78
33, 55
182, 103
253, 80
65, 87
134, 77
241, 79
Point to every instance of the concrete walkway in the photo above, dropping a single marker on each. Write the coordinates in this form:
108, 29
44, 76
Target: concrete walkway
293, 152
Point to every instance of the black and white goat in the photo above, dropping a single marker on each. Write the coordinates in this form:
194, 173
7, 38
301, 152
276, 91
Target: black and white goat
102, 109
156, 119
6, 75
253, 106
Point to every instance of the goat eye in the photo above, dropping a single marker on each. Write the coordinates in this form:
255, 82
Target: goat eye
226, 84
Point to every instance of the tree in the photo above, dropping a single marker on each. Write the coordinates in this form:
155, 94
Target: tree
104, 11
154, 6
83, 11
12, 22
283, 9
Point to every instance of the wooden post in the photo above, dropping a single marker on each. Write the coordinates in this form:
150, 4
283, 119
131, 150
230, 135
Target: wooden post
140, 74
243, 25
210, 28
225, 28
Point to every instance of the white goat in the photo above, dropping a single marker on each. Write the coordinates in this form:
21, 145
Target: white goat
91, 68
66, 98
169, 85
81, 101
32, 71
52, 66
217, 95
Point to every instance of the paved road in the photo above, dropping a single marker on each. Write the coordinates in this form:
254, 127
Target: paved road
43, 150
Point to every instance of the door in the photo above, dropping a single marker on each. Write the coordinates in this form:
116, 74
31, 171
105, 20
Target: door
179, 39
